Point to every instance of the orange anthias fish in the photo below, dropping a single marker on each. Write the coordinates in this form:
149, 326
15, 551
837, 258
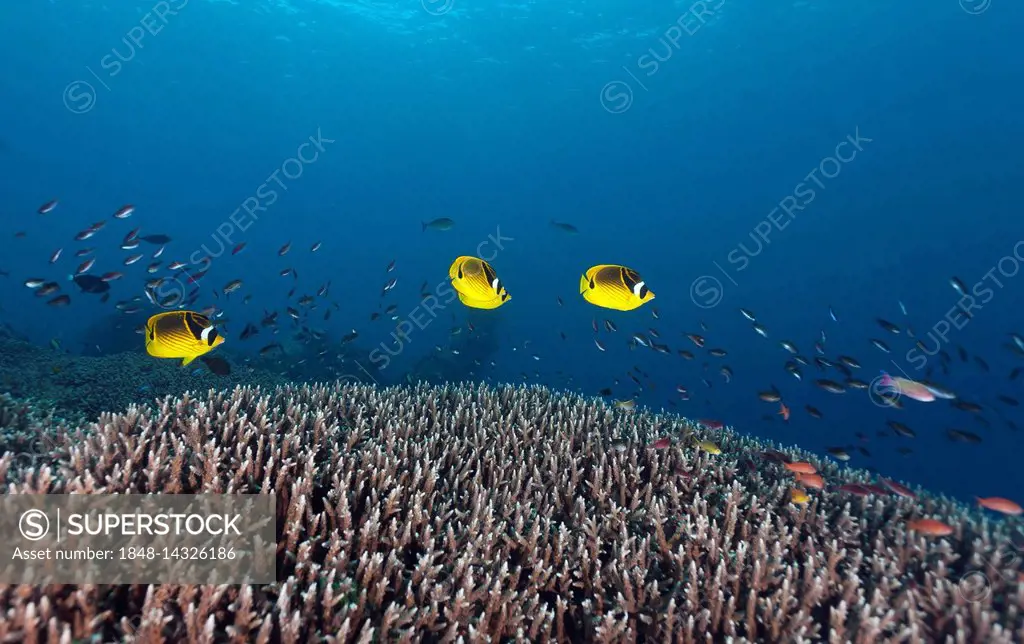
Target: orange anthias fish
801, 467
898, 489
930, 527
998, 504
813, 481
661, 443
783, 410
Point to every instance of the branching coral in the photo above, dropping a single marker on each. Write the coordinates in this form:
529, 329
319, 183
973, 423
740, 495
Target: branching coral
430, 514
31, 434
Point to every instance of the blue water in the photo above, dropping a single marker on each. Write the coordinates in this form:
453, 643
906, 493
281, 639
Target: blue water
666, 134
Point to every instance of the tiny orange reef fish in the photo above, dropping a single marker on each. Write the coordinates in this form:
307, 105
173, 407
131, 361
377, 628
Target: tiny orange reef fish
783, 410
998, 504
801, 467
930, 527
813, 481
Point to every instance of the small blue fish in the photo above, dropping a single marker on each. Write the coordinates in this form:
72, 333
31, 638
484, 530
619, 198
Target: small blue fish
196, 372
832, 314
144, 388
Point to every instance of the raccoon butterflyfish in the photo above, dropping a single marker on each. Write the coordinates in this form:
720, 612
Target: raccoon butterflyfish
614, 287
477, 284
180, 334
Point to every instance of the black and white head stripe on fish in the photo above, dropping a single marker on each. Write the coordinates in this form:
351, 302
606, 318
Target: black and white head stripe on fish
492, 277
195, 325
209, 335
633, 282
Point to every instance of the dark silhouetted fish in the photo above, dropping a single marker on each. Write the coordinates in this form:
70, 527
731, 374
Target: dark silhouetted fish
91, 284
442, 223
249, 331
888, 326
958, 435
216, 364
967, 406
901, 429
831, 386
565, 227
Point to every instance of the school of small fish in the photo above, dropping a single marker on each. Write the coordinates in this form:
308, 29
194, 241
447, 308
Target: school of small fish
183, 334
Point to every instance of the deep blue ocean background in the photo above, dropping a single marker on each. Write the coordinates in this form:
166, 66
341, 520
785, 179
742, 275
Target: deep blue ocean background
504, 116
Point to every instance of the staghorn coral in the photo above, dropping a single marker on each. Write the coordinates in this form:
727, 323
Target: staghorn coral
31, 432
433, 514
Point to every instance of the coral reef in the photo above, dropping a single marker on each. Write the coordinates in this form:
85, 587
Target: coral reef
30, 432
430, 514
8, 331
73, 385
